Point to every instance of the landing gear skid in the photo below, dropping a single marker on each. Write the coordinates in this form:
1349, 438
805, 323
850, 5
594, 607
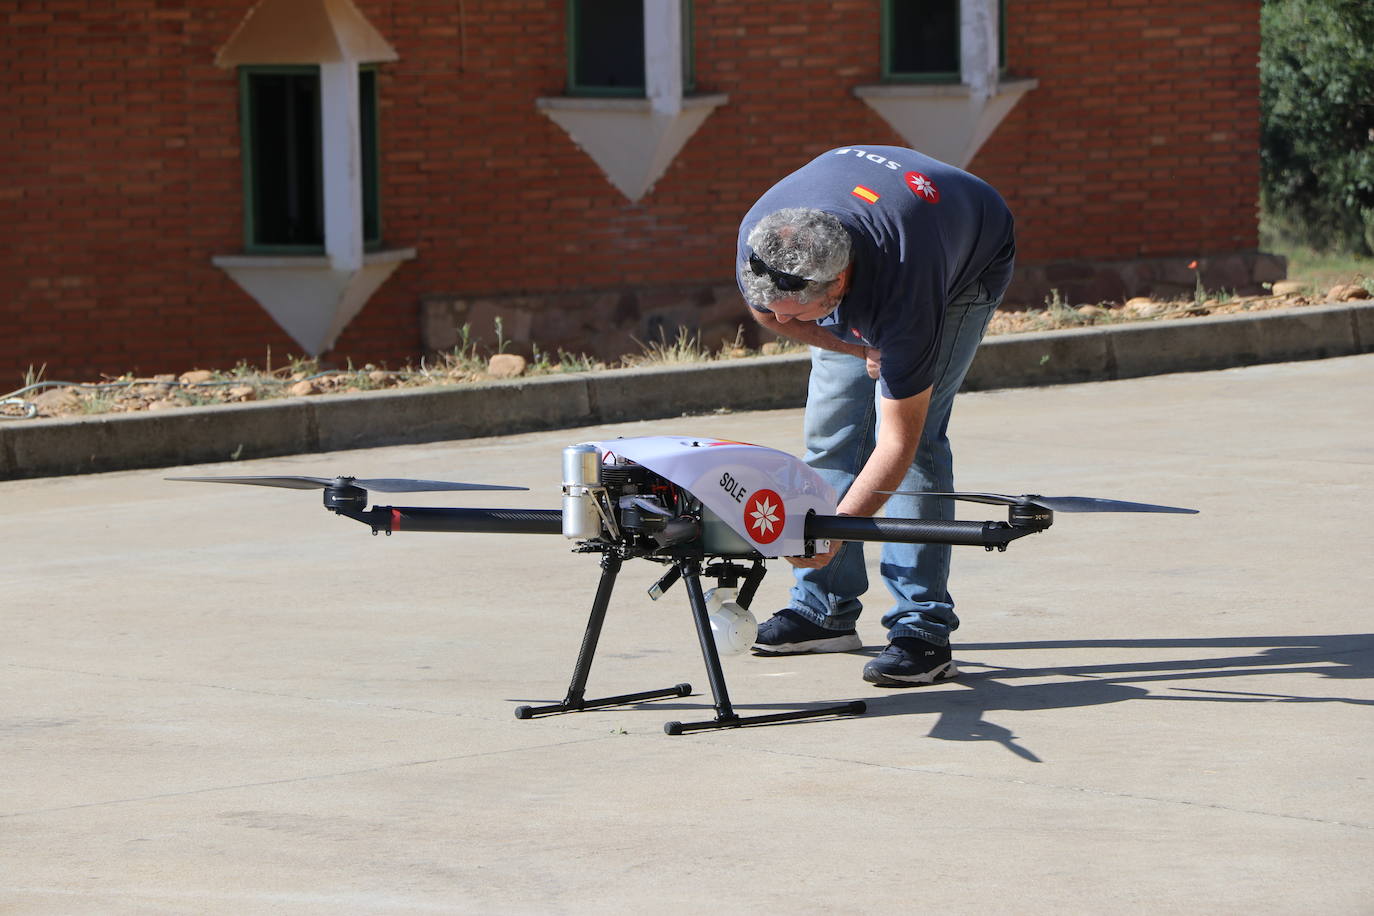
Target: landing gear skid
689, 569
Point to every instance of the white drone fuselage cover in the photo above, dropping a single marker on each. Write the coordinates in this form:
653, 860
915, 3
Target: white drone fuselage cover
762, 494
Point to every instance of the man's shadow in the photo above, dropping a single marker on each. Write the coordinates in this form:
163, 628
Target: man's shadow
992, 687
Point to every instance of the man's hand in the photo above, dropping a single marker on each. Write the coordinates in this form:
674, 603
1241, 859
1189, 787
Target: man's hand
874, 360
899, 434
806, 332
818, 560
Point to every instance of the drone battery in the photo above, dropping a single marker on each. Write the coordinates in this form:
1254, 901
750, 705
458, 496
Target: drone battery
581, 471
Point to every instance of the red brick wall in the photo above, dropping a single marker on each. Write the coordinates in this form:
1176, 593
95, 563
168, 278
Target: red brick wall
1142, 139
123, 178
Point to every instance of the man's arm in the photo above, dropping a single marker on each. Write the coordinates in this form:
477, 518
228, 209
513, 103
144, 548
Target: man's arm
899, 434
807, 332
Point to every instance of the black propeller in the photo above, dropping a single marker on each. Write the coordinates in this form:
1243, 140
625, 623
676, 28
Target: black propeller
382, 484
1053, 503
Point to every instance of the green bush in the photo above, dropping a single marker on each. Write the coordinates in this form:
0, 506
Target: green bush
1317, 109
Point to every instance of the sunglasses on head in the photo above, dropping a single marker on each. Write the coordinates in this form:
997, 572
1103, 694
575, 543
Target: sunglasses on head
788, 283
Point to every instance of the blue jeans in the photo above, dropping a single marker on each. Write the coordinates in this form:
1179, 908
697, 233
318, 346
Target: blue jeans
841, 427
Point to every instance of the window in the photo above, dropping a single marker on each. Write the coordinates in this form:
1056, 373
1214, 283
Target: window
921, 40
283, 171
629, 103
308, 85
606, 47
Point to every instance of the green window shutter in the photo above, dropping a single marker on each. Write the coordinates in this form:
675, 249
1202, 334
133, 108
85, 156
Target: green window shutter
689, 70
371, 149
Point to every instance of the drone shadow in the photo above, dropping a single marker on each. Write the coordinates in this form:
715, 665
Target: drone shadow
963, 714
984, 687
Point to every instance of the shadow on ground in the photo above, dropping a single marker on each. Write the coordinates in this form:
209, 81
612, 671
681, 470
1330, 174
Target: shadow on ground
989, 688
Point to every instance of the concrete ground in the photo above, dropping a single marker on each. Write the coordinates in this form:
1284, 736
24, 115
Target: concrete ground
224, 700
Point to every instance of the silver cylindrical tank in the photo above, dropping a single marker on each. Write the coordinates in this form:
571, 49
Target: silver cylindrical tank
581, 469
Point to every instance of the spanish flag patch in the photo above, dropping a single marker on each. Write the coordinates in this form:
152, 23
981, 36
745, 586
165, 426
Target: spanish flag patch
866, 193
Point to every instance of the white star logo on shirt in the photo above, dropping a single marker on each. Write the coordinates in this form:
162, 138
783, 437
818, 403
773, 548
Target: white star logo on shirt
923, 187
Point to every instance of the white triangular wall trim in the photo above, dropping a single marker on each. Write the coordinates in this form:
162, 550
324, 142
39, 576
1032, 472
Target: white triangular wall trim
629, 139
312, 301
950, 122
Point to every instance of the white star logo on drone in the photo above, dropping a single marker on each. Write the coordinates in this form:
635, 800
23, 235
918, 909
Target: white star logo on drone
764, 517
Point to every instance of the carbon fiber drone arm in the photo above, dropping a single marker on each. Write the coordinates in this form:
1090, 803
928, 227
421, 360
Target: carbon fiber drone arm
482, 521
549, 521
915, 531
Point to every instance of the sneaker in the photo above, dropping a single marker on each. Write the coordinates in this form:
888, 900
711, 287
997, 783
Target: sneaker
789, 633
910, 662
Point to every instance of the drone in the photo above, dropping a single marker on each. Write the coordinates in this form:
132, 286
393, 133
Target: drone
706, 509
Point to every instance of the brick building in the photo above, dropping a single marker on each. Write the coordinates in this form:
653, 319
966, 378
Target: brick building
199, 182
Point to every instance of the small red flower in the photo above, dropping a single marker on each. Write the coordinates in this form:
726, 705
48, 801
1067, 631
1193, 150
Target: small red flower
1192, 265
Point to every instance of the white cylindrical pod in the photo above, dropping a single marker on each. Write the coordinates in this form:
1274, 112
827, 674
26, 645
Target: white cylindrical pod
733, 628
581, 469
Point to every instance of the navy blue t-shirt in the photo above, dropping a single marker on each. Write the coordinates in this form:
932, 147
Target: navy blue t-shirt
922, 232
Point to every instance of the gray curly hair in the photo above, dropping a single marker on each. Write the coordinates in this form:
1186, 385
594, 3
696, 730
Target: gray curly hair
810, 244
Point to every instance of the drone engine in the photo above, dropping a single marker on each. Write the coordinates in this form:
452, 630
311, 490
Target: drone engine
610, 499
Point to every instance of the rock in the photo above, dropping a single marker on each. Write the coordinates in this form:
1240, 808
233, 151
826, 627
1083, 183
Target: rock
161, 405
1345, 292
506, 365
56, 401
243, 393
1287, 288
196, 376
1141, 307
770, 348
1091, 311
379, 377
302, 388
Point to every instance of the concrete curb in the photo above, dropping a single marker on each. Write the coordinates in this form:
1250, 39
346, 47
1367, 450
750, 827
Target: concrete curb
1159, 348
41, 448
